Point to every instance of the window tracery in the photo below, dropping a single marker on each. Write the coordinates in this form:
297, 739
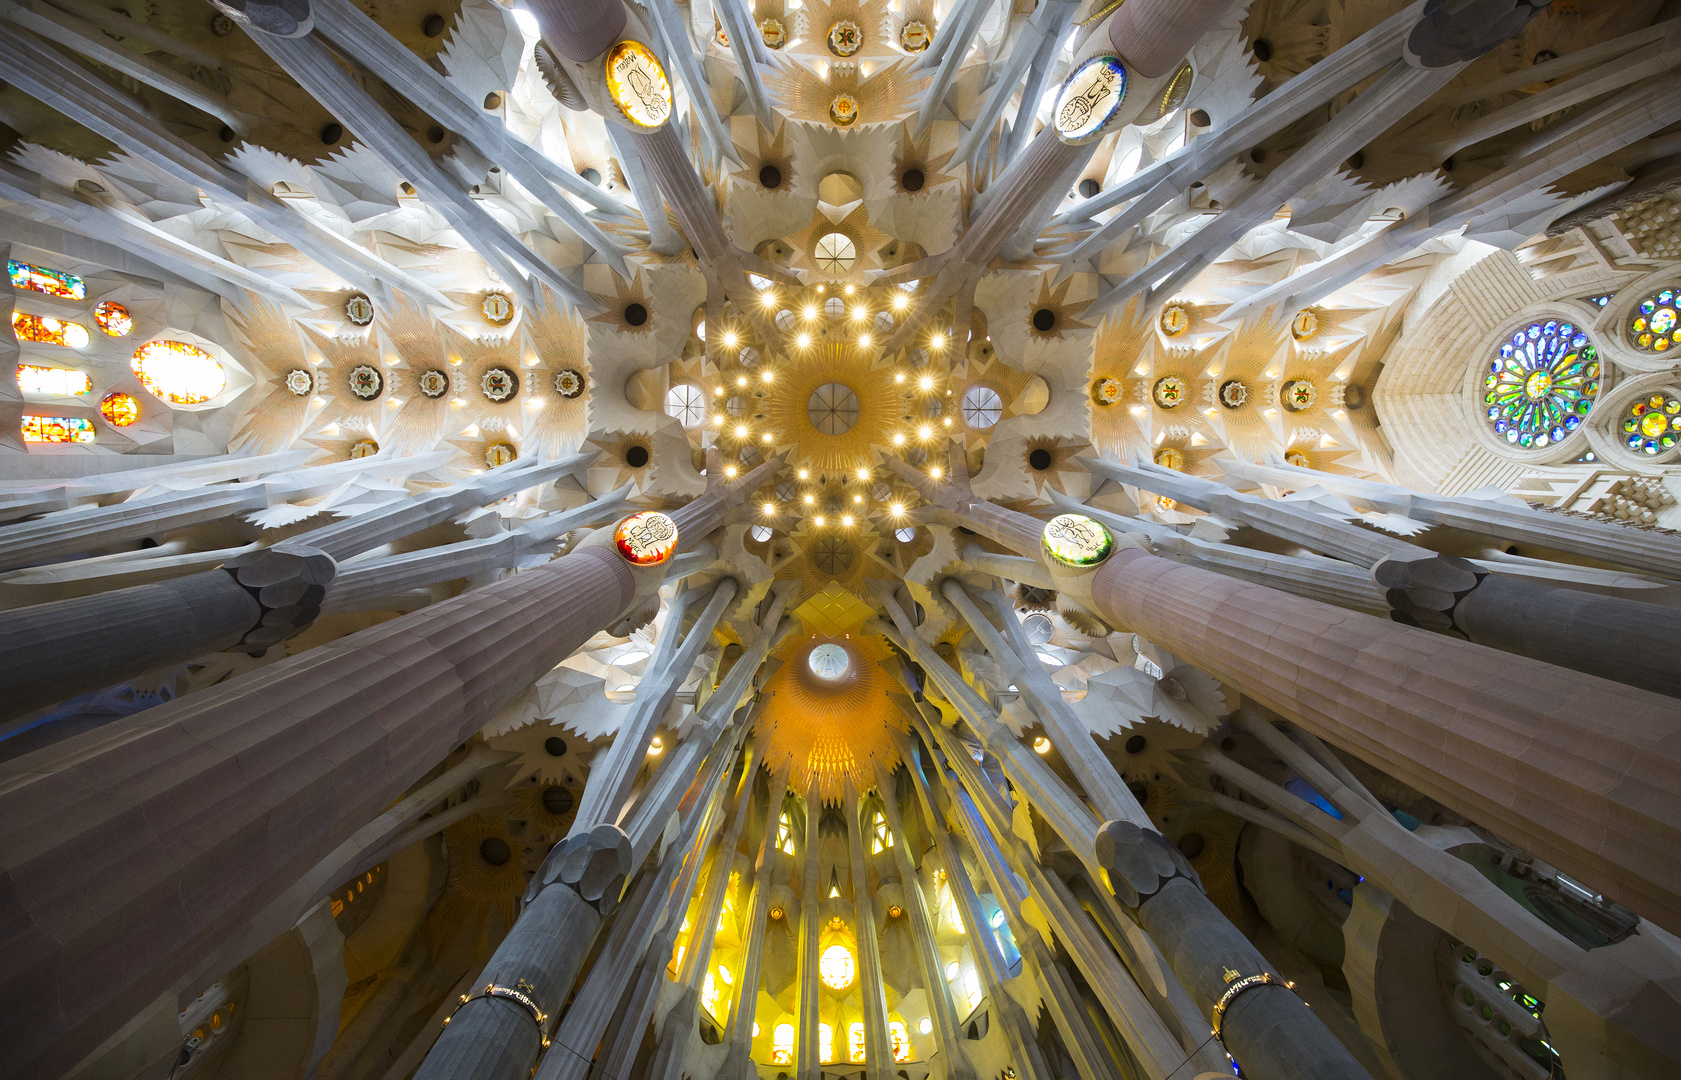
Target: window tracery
1542, 384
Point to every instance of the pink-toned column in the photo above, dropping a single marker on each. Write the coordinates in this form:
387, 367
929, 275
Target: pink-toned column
1581, 771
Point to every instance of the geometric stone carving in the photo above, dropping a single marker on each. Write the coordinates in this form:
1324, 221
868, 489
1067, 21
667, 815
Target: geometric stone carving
288, 584
1139, 861
594, 864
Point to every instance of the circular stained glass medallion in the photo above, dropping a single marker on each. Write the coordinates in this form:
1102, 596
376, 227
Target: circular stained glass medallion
773, 33
1175, 320
1304, 325
1541, 386
300, 382
1090, 98
638, 85
359, 310
568, 383
1300, 394
1077, 540
499, 453
119, 410
364, 448
646, 539
915, 37
113, 318
1106, 391
1234, 393
1656, 325
1652, 425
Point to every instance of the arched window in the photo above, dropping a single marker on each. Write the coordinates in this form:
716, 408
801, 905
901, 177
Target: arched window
825, 1043
784, 834
782, 1045
883, 835
855, 1042
1538, 390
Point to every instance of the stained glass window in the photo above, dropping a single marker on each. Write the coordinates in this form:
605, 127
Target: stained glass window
52, 381
179, 373
119, 410
1652, 424
835, 967
1656, 326
855, 1042
57, 429
40, 279
49, 331
1541, 386
901, 1039
782, 1045
784, 834
883, 835
113, 318
825, 1043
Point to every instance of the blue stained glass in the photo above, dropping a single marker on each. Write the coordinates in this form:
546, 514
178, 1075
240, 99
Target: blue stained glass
1545, 382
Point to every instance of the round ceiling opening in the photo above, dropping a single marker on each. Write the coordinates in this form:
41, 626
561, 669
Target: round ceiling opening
832, 409
829, 662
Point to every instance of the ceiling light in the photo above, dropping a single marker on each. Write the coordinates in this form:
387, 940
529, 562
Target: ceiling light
741, 380
898, 377
926, 382
895, 509
848, 290
859, 313
1042, 745
741, 431
899, 439
765, 438
857, 498
934, 472
899, 301
717, 391
765, 375
729, 339
863, 341
729, 471
769, 508
809, 500
846, 519
656, 746
863, 474
925, 431
819, 520
803, 341
938, 341
811, 309
804, 473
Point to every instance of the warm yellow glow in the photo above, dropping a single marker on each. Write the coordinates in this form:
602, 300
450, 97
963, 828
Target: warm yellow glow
769, 508
1042, 745
953, 970
741, 380
895, 509
835, 967
857, 498
859, 313
846, 519
848, 290
729, 339
709, 994
782, 1045
729, 471
898, 377
899, 301
811, 310
901, 1040
825, 1043
724, 973
938, 341
972, 987
934, 472
717, 391
766, 375
863, 341
755, 1030
741, 431
803, 341
809, 499
899, 439
819, 520
655, 746
805, 473
926, 382
863, 474
925, 431
769, 299
765, 438
855, 1042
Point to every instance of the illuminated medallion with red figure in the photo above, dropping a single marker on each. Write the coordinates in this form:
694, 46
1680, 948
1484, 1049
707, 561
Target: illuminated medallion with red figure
646, 539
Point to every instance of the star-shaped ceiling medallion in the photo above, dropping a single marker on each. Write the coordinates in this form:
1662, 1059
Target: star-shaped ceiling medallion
629, 310
1047, 458
1051, 315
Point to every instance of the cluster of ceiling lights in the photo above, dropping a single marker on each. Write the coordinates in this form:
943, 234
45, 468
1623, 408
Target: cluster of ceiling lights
744, 434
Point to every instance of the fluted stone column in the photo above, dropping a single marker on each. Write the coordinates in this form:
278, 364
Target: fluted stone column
133, 849
739, 1029
807, 1057
1581, 771
1625, 640
878, 1048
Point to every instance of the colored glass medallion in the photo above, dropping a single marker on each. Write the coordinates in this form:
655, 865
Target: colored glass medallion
1077, 540
44, 330
638, 85
179, 373
42, 280
646, 539
1652, 425
366, 382
119, 409
499, 384
113, 318
57, 429
433, 383
1169, 391
1541, 386
300, 382
1090, 98
1656, 325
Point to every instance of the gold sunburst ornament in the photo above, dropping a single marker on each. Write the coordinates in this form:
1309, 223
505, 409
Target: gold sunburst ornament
638, 85
843, 110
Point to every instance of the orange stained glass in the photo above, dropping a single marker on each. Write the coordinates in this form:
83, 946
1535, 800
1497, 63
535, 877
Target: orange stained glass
57, 429
119, 410
45, 330
178, 372
52, 381
42, 280
113, 318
